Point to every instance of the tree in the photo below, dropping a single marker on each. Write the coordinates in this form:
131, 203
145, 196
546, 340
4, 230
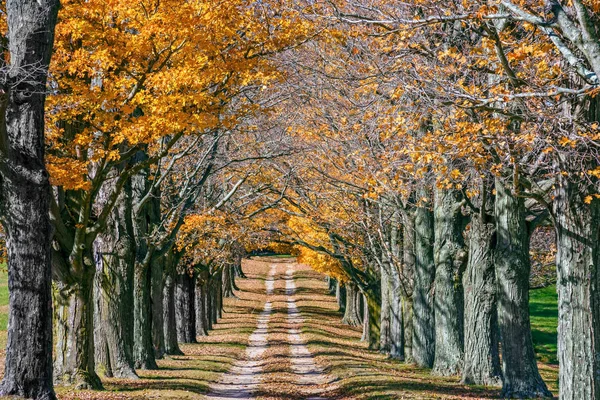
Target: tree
25, 198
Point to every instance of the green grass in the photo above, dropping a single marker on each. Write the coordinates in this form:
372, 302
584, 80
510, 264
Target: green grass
543, 307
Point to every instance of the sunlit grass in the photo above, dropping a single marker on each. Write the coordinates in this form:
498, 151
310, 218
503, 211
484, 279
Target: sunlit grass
543, 307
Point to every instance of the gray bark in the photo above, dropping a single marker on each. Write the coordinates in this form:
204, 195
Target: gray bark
521, 377
385, 333
74, 344
201, 298
340, 295
114, 255
228, 277
351, 313
450, 258
423, 344
25, 200
184, 308
143, 219
578, 286
169, 317
157, 275
481, 355
366, 332
408, 257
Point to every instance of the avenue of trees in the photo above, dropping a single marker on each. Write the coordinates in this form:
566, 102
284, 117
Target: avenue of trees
412, 151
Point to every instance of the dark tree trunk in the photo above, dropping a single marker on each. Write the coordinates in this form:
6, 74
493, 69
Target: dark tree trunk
331, 284
201, 297
157, 274
184, 308
351, 313
481, 357
519, 368
74, 345
143, 348
144, 219
423, 349
25, 200
578, 266
114, 256
371, 317
239, 272
169, 318
340, 295
450, 261
219, 296
228, 277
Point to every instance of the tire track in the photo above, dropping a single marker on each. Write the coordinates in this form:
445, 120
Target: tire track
243, 379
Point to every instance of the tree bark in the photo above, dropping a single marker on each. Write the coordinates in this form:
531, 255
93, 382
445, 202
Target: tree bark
201, 298
408, 257
450, 259
25, 200
512, 266
577, 261
351, 313
366, 332
74, 345
385, 332
169, 318
114, 255
184, 309
144, 219
371, 317
481, 355
340, 295
423, 344
157, 274
228, 277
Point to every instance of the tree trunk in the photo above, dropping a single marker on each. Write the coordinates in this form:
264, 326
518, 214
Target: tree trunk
385, 332
184, 309
169, 319
450, 260
366, 332
114, 254
340, 295
481, 358
219, 289
157, 274
519, 368
201, 296
143, 348
423, 344
331, 284
144, 219
351, 313
578, 286
228, 277
25, 200
74, 345
239, 272
408, 257
371, 318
